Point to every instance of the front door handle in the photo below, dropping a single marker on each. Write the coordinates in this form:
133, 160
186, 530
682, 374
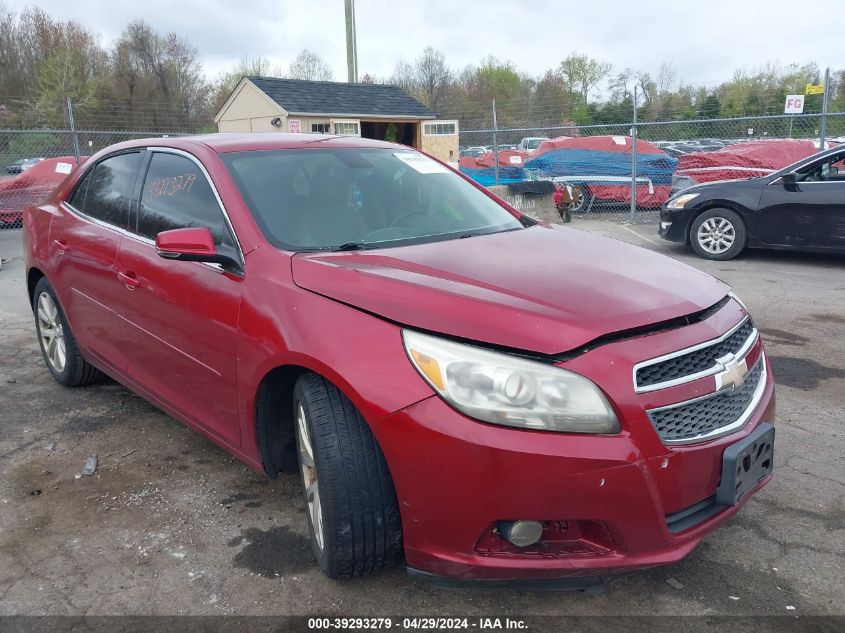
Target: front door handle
129, 279
61, 246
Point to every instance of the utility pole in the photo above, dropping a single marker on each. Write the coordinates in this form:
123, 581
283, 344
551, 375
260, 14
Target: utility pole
351, 44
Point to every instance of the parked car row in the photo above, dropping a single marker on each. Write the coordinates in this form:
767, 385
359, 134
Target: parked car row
22, 165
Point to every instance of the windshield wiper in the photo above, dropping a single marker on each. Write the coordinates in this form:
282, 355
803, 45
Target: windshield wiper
482, 232
353, 246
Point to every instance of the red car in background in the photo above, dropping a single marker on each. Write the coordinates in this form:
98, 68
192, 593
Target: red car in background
31, 186
360, 313
746, 159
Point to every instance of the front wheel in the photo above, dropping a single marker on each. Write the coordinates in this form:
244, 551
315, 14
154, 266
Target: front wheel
718, 234
353, 515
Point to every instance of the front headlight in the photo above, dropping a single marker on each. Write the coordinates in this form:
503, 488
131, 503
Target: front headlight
508, 390
681, 201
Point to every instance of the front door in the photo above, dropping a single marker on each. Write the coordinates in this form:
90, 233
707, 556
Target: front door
85, 237
182, 317
813, 215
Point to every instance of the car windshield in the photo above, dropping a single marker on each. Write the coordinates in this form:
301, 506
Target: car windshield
351, 198
534, 143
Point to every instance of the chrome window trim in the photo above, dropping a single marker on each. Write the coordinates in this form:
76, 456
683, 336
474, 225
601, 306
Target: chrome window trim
198, 163
126, 233
746, 347
810, 182
728, 428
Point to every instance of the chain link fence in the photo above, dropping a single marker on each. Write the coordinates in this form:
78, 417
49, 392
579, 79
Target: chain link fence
618, 171
41, 144
625, 172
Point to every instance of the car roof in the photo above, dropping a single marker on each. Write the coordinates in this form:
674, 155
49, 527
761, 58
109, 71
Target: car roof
231, 142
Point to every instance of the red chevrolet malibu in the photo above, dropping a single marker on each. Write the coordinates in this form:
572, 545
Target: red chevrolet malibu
487, 397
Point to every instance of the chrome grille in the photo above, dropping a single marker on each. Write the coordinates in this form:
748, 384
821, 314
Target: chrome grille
713, 415
684, 366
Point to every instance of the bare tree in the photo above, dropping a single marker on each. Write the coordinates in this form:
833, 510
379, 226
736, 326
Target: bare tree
309, 65
667, 78
403, 76
620, 85
432, 77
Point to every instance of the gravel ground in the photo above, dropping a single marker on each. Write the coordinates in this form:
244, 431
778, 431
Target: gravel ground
170, 524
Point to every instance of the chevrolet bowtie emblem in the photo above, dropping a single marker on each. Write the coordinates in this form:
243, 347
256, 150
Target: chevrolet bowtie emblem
734, 372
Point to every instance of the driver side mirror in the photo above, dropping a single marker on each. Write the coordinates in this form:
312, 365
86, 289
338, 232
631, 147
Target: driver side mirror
193, 244
789, 181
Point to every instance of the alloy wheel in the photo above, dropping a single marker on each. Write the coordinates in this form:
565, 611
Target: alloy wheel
309, 475
716, 235
51, 331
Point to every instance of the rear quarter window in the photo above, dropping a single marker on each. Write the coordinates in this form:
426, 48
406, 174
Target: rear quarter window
106, 191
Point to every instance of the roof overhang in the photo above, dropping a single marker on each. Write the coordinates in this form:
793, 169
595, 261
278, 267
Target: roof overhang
365, 117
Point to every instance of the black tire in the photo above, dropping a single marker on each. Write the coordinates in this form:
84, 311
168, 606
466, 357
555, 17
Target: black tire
76, 370
361, 526
723, 237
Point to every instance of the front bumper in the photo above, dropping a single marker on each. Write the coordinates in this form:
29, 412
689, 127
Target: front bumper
673, 224
456, 478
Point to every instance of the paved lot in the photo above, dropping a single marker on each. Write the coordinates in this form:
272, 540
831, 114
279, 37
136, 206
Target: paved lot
170, 524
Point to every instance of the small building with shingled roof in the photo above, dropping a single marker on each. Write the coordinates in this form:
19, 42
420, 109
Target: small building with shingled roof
376, 111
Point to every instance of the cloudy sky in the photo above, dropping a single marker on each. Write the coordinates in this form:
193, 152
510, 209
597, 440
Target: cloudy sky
704, 40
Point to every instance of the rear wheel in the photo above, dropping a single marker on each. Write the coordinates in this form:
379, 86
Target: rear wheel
58, 346
718, 234
353, 516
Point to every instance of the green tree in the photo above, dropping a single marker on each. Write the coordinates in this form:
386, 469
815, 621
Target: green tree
581, 73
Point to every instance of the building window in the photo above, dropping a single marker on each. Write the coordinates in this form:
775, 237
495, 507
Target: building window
439, 129
321, 128
347, 128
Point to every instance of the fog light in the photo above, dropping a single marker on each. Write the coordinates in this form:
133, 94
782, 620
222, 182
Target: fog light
665, 225
521, 533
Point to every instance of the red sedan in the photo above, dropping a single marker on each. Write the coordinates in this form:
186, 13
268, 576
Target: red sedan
31, 186
486, 397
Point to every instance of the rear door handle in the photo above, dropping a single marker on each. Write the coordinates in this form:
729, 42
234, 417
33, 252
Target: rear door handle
61, 246
129, 279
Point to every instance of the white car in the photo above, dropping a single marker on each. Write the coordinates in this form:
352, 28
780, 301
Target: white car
531, 143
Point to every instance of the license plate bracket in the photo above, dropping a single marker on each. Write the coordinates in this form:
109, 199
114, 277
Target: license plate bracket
745, 463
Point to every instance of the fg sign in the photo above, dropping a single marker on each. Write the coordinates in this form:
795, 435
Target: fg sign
794, 104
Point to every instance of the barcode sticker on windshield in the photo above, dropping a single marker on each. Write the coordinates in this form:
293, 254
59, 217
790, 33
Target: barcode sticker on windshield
63, 168
421, 163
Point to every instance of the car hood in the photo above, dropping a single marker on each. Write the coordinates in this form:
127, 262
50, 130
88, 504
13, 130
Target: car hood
543, 289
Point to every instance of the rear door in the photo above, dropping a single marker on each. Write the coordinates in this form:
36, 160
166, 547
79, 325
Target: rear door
182, 317
811, 216
85, 237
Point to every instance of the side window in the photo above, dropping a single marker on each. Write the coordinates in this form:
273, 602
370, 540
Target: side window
77, 198
109, 189
821, 171
177, 195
